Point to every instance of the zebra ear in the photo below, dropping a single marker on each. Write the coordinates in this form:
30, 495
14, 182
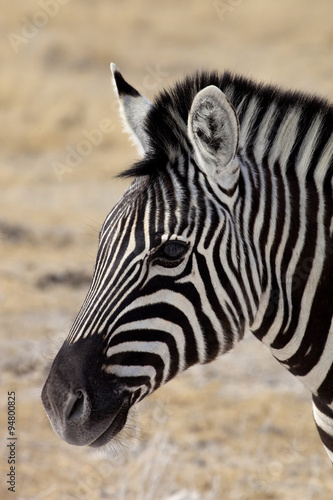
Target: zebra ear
133, 109
213, 129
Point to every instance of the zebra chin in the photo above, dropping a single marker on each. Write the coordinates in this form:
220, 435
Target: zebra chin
82, 411
116, 425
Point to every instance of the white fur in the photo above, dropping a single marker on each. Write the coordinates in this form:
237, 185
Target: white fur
133, 111
211, 107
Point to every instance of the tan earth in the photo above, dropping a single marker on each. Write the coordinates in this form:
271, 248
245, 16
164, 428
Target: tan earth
240, 428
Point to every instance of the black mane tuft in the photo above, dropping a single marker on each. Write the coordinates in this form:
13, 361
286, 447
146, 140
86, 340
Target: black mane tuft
166, 123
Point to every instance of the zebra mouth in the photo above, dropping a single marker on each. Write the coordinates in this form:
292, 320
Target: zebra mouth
116, 425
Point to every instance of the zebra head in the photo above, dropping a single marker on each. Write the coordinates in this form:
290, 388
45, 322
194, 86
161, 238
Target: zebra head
163, 295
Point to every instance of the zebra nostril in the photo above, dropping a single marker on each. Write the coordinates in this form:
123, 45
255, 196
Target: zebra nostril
76, 406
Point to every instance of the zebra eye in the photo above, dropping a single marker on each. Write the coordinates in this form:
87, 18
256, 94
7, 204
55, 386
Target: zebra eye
171, 251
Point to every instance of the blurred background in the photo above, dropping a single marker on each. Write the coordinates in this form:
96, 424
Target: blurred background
239, 428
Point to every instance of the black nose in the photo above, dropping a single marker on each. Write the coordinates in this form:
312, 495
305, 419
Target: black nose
85, 407
77, 407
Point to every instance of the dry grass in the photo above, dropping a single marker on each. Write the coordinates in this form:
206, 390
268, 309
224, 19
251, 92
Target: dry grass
238, 429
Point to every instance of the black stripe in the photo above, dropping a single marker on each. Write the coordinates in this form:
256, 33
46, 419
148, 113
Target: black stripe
151, 336
212, 343
169, 313
136, 358
326, 438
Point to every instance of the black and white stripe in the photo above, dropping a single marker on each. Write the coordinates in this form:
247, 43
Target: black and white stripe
227, 227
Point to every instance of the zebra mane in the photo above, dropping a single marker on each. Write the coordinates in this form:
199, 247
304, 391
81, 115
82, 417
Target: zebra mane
166, 123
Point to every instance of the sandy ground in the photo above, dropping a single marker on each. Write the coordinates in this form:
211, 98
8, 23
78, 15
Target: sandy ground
240, 428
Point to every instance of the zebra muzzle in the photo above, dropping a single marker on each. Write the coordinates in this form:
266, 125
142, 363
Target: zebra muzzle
81, 410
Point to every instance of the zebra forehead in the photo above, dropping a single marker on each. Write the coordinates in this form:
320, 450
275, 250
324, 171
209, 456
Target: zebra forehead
153, 203
166, 122
134, 197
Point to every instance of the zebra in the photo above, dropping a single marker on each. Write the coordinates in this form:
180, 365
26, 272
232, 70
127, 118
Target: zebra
227, 227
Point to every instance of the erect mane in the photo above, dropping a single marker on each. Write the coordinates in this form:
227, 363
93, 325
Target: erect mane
166, 123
